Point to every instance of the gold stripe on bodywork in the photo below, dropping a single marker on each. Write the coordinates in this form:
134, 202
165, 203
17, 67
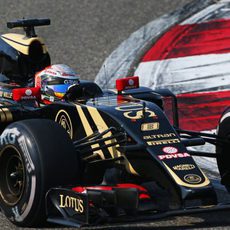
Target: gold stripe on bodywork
5, 115
22, 43
2, 116
182, 183
9, 116
88, 129
102, 126
130, 168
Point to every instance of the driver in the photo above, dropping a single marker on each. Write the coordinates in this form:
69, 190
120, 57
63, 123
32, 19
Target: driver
54, 82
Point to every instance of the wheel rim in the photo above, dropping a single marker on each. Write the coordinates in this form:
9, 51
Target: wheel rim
12, 175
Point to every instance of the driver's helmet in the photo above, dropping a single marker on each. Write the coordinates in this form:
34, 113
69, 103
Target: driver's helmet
54, 81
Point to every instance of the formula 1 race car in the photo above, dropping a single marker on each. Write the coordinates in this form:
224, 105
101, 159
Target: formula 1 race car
96, 155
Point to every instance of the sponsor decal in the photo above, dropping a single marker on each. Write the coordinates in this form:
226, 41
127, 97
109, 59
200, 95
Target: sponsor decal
7, 95
158, 136
64, 120
184, 167
139, 114
173, 156
131, 82
28, 97
28, 92
50, 72
70, 82
130, 107
16, 212
74, 203
134, 111
51, 98
9, 136
192, 178
19, 94
150, 126
28, 161
186, 183
170, 149
127, 83
164, 142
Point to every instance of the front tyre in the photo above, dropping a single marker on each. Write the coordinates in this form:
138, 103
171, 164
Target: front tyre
35, 155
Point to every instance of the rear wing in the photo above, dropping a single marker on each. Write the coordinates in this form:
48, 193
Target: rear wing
28, 25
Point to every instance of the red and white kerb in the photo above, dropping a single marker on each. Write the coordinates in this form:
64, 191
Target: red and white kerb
192, 59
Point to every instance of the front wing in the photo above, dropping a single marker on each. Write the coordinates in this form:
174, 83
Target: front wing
92, 206
107, 204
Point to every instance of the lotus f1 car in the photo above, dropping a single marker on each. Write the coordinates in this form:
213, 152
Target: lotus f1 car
96, 155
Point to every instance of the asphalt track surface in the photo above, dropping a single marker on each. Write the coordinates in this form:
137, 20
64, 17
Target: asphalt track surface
82, 34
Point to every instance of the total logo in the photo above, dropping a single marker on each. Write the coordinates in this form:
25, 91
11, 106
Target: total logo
170, 150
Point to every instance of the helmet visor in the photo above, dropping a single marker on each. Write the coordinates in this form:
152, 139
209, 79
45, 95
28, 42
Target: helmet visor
59, 90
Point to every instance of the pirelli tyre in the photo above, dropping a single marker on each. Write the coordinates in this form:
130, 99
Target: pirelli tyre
35, 155
223, 150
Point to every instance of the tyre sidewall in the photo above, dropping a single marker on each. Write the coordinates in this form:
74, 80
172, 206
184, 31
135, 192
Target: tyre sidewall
27, 148
49, 159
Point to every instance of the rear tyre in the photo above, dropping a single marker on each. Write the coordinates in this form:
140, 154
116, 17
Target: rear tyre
35, 155
223, 150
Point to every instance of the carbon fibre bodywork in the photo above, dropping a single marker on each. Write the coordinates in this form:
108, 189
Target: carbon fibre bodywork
142, 142
138, 139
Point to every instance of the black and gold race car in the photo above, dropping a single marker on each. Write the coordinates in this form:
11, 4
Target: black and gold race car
96, 155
